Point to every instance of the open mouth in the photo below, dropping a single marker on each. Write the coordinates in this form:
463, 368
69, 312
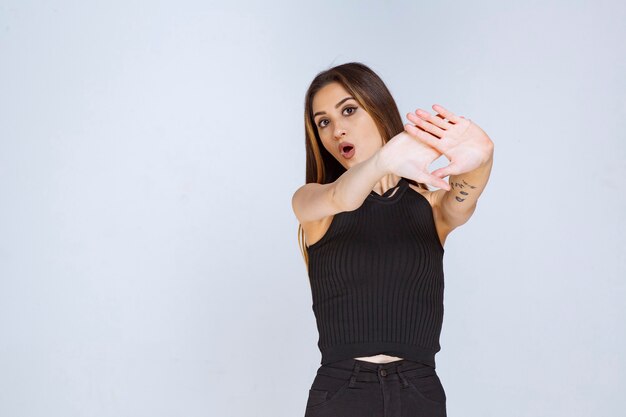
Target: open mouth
347, 150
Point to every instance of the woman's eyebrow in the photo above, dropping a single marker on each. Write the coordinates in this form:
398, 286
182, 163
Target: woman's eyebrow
336, 105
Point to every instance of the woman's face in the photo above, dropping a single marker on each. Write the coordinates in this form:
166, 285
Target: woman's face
339, 119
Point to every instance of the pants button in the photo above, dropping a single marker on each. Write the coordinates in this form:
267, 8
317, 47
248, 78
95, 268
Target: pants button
383, 372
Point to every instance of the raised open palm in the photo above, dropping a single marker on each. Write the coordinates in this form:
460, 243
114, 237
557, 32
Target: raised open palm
410, 158
462, 141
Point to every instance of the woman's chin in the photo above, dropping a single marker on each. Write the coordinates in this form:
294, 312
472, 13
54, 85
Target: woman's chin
348, 163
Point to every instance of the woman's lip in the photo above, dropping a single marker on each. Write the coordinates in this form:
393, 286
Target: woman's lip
348, 154
344, 144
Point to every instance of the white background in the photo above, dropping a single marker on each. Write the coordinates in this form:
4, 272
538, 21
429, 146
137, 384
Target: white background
149, 263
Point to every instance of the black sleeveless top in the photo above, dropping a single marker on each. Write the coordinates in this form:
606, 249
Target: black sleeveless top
377, 280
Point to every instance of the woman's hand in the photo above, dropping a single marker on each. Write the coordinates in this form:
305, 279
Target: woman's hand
463, 142
410, 158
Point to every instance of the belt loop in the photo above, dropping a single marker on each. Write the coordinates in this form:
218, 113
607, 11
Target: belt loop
355, 372
405, 383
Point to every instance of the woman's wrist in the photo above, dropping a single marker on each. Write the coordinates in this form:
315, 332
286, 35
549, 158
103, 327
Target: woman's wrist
380, 161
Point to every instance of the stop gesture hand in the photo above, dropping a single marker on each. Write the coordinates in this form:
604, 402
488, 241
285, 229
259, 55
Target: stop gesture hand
463, 142
410, 158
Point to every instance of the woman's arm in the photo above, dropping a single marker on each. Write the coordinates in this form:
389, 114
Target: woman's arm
401, 155
470, 151
457, 205
315, 201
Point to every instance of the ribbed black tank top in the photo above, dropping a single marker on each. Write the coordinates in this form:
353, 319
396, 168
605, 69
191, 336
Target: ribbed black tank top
377, 280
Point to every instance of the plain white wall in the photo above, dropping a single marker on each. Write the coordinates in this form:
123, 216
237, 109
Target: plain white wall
149, 263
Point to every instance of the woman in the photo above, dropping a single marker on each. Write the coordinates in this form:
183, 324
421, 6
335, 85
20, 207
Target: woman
372, 236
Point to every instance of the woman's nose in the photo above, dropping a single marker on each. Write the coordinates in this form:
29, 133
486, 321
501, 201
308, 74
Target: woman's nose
340, 132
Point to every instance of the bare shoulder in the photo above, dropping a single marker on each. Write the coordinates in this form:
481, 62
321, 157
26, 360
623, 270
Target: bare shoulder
314, 206
426, 193
313, 202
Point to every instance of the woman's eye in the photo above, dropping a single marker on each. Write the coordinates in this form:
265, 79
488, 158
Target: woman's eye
321, 122
351, 108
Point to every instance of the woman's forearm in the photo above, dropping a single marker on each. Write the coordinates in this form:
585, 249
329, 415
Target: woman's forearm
354, 185
467, 187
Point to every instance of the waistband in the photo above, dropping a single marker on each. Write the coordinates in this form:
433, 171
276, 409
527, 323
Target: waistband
359, 370
413, 352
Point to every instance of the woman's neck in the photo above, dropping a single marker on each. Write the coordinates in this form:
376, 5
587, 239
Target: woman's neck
385, 183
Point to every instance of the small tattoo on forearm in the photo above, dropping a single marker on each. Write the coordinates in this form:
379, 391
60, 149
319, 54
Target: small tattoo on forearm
455, 185
470, 186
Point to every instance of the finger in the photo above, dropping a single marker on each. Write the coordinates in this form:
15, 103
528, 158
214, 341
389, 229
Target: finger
437, 120
438, 182
445, 171
446, 113
425, 137
431, 126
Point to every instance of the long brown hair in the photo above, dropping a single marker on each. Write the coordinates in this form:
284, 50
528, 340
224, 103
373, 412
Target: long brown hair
372, 94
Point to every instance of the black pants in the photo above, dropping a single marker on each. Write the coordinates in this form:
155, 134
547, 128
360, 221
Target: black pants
356, 388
